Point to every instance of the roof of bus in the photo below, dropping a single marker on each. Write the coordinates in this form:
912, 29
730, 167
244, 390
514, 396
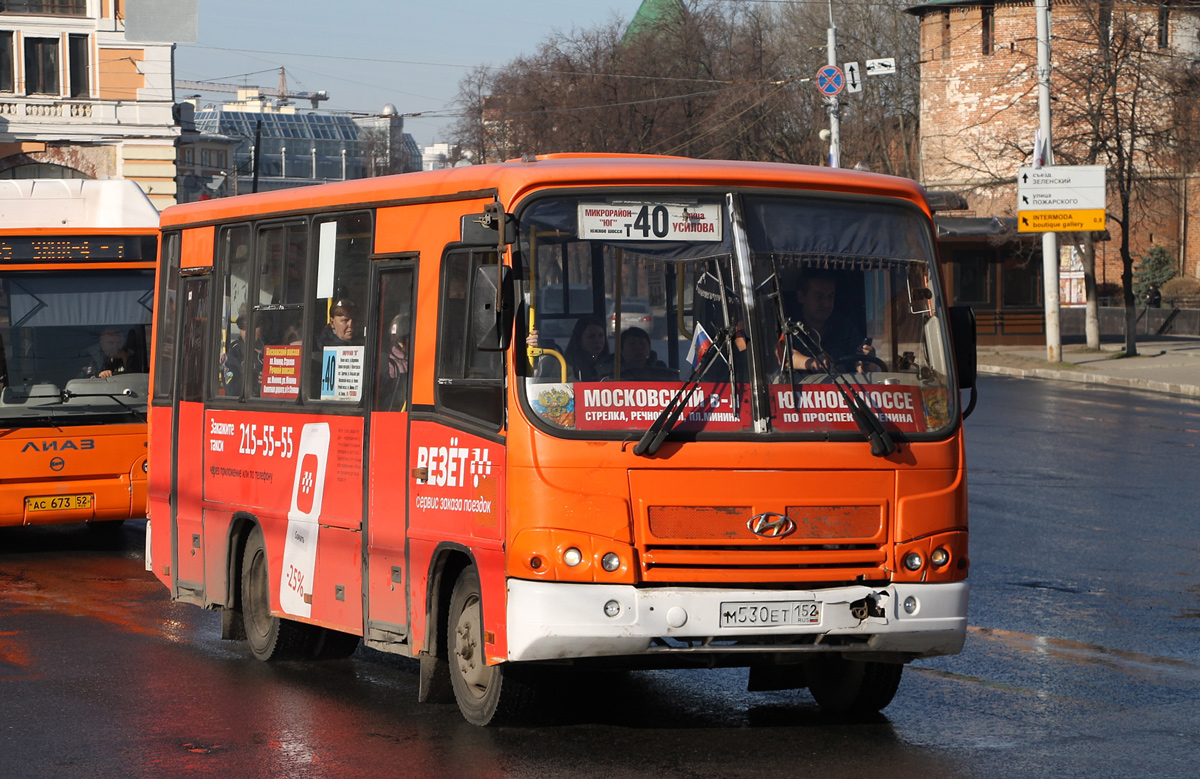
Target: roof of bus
67, 205
514, 179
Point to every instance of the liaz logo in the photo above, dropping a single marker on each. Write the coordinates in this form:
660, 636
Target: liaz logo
59, 446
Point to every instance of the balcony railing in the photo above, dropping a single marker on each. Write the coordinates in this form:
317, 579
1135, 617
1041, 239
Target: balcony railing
44, 7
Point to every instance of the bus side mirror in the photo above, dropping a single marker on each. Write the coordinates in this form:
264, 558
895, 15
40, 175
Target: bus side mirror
962, 334
484, 229
492, 307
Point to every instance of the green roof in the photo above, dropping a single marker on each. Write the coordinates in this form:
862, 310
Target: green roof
653, 13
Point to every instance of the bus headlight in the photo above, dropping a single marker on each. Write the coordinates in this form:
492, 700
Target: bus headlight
939, 557
572, 556
913, 561
610, 562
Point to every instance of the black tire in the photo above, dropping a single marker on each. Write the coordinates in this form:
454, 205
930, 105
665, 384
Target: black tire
486, 694
854, 687
270, 637
333, 645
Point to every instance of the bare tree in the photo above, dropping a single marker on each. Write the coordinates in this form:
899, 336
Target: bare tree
1115, 89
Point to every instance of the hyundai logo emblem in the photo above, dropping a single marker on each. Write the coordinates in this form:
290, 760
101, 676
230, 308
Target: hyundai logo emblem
771, 525
57, 464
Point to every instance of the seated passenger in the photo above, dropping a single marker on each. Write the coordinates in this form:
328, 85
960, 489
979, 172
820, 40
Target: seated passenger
587, 354
638, 360
341, 330
836, 334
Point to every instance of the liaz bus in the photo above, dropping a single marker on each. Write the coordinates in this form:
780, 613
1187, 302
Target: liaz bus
568, 410
77, 264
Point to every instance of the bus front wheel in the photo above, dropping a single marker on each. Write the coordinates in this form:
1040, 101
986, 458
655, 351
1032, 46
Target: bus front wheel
486, 694
270, 637
855, 687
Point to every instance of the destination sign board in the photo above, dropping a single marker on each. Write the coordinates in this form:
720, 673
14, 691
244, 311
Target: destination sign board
1061, 198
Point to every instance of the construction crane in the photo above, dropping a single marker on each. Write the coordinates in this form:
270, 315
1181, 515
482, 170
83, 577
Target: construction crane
281, 93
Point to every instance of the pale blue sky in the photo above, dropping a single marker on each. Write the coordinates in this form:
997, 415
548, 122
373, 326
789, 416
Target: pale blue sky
366, 53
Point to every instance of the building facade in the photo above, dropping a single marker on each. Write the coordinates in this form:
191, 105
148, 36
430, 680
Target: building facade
79, 101
979, 112
303, 147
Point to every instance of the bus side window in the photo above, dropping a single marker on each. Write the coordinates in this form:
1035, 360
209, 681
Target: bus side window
277, 316
470, 382
164, 371
343, 247
234, 255
395, 340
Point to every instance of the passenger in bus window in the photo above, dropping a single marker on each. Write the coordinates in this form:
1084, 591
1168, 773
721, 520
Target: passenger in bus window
836, 333
638, 360
342, 329
109, 356
394, 379
587, 353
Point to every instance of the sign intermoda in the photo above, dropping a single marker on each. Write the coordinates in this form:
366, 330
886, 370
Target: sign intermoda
1061, 198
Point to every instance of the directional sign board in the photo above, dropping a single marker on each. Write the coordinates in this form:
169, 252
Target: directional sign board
853, 77
830, 80
881, 67
1061, 199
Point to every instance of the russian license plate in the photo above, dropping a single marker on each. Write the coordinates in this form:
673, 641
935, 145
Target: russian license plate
58, 503
768, 614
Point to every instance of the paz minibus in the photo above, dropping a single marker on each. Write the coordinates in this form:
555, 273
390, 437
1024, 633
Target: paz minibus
410, 410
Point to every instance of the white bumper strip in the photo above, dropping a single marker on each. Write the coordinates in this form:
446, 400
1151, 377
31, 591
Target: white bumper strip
552, 620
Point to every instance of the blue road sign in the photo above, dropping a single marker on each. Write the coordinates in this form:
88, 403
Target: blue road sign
830, 80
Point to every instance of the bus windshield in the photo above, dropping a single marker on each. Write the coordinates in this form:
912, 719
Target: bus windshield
800, 294
74, 345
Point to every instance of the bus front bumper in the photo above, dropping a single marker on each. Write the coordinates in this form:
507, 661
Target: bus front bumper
557, 621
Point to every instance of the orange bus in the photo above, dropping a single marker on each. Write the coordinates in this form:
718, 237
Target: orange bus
568, 410
77, 264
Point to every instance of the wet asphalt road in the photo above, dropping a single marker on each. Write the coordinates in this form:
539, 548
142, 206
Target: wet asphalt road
1082, 658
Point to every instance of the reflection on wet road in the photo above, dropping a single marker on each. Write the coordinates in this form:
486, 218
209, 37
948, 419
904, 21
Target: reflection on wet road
1082, 659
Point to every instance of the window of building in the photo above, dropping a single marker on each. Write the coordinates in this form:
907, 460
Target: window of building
987, 26
41, 66
470, 382
44, 7
187, 155
78, 50
204, 158
7, 83
945, 35
973, 272
1164, 26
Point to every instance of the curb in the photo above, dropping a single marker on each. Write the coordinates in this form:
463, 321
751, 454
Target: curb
1079, 377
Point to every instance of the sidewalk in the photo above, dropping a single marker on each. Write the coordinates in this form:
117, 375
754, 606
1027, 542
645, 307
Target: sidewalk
1169, 364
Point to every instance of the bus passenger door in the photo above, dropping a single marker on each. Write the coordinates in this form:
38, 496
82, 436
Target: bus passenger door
187, 462
387, 461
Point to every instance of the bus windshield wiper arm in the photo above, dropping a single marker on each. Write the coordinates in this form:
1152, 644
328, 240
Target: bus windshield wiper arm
867, 420
127, 393
661, 427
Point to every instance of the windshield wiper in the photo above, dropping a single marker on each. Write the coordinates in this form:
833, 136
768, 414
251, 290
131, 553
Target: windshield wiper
125, 393
867, 420
662, 425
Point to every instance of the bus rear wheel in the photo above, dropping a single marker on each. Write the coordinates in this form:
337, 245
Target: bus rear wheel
486, 694
854, 687
270, 637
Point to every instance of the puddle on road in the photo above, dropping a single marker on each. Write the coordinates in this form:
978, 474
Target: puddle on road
1124, 661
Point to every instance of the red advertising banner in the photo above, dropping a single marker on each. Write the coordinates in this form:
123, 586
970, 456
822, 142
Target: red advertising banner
823, 407
712, 407
608, 405
253, 459
281, 372
460, 482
